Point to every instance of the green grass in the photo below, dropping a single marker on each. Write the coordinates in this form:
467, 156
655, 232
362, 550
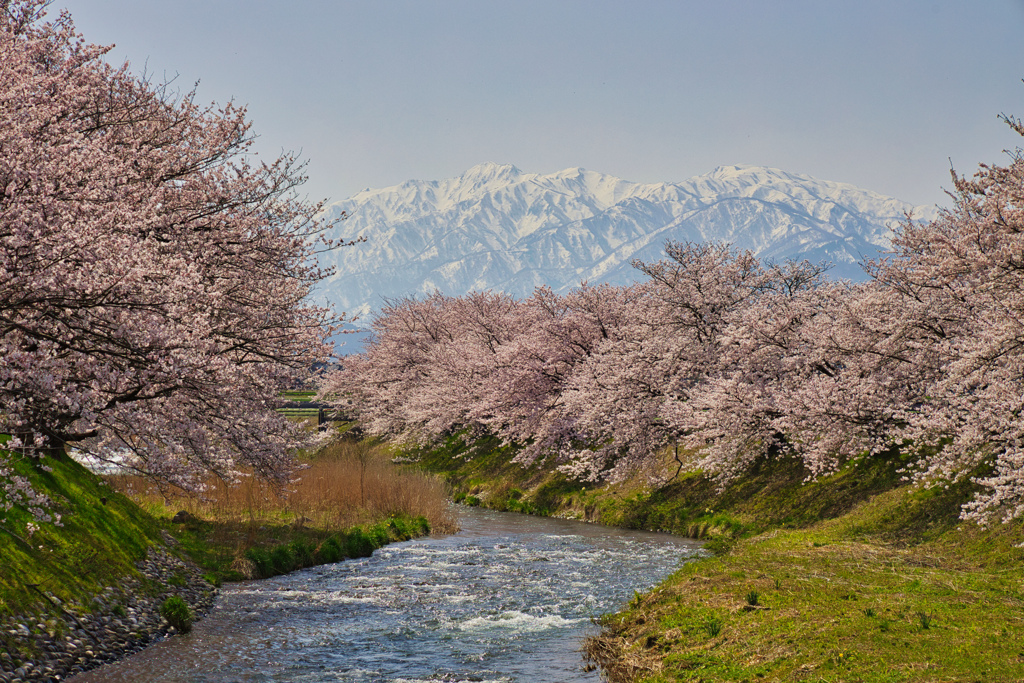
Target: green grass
103, 535
298, 395
481, 473
893, 589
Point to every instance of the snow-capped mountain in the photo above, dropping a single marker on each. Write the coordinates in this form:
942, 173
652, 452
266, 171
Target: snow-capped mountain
496, 227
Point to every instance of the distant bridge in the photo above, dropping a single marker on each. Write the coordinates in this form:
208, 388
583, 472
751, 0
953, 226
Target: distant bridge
321, 413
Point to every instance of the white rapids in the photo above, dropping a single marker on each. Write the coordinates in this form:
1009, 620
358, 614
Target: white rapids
509, 598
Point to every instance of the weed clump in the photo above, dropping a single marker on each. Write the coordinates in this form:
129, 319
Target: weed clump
712, 626
177, 613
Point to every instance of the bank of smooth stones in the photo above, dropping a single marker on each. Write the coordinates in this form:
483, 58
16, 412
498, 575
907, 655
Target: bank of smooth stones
61, 640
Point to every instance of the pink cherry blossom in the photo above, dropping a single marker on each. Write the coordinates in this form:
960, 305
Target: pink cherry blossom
154, 275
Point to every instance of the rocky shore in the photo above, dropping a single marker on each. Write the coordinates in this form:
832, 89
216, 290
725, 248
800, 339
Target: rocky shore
60, 640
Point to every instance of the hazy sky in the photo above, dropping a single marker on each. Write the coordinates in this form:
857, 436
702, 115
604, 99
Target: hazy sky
881, 94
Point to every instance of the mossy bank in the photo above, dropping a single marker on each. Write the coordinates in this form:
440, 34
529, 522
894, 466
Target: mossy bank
857, 576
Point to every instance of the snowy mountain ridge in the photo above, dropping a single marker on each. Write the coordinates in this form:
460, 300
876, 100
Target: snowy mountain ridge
497, 227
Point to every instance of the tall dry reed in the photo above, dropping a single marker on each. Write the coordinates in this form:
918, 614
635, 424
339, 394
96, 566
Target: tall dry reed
347, 483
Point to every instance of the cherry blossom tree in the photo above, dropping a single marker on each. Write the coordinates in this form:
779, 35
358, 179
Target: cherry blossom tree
481, 362
376, 386
963, 278
633, 396
430, 364
153, 273
525, 395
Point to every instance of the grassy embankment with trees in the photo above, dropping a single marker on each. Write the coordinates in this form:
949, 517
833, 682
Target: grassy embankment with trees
856, 576
156, 279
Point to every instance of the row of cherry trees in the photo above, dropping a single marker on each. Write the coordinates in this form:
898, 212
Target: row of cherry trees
153, 274
722, 359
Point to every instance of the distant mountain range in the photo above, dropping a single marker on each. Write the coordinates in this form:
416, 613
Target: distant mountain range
496, 227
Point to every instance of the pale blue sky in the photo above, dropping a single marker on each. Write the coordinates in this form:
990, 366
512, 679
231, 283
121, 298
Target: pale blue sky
878, 93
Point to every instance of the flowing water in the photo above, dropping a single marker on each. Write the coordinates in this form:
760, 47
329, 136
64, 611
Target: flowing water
509, 598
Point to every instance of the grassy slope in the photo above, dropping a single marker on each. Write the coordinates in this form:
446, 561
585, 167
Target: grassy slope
230, 551
858, 576
103, 535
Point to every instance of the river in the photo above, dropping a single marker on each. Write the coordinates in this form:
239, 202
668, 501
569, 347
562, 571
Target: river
508, 598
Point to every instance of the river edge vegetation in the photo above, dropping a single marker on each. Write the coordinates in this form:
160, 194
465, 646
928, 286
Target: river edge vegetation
857, 576
348, 501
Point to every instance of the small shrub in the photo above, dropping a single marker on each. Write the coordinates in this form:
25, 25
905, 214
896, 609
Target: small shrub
304, 554
378, 536
398, 528
925, 620
330, 551
752, 598
242, 569
778, 584
869, 612
282, 559
260, 559
472, 501
422, 525
213, 579
177, 613
357, 544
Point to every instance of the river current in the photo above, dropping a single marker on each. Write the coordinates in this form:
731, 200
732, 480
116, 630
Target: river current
508, 598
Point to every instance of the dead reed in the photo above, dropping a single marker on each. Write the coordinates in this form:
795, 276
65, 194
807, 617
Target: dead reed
347, 483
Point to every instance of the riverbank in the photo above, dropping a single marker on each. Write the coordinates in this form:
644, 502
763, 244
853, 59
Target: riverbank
91, 590
57, 639
855, 577
96, 589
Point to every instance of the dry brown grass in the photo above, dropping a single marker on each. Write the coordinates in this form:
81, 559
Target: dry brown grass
347, 483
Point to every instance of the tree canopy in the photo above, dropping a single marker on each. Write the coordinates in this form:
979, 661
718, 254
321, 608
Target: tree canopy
154, 273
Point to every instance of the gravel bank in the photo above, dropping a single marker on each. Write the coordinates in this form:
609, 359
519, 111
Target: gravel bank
61, 640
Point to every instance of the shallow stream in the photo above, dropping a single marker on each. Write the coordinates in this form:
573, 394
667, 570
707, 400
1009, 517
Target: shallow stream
509, 598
